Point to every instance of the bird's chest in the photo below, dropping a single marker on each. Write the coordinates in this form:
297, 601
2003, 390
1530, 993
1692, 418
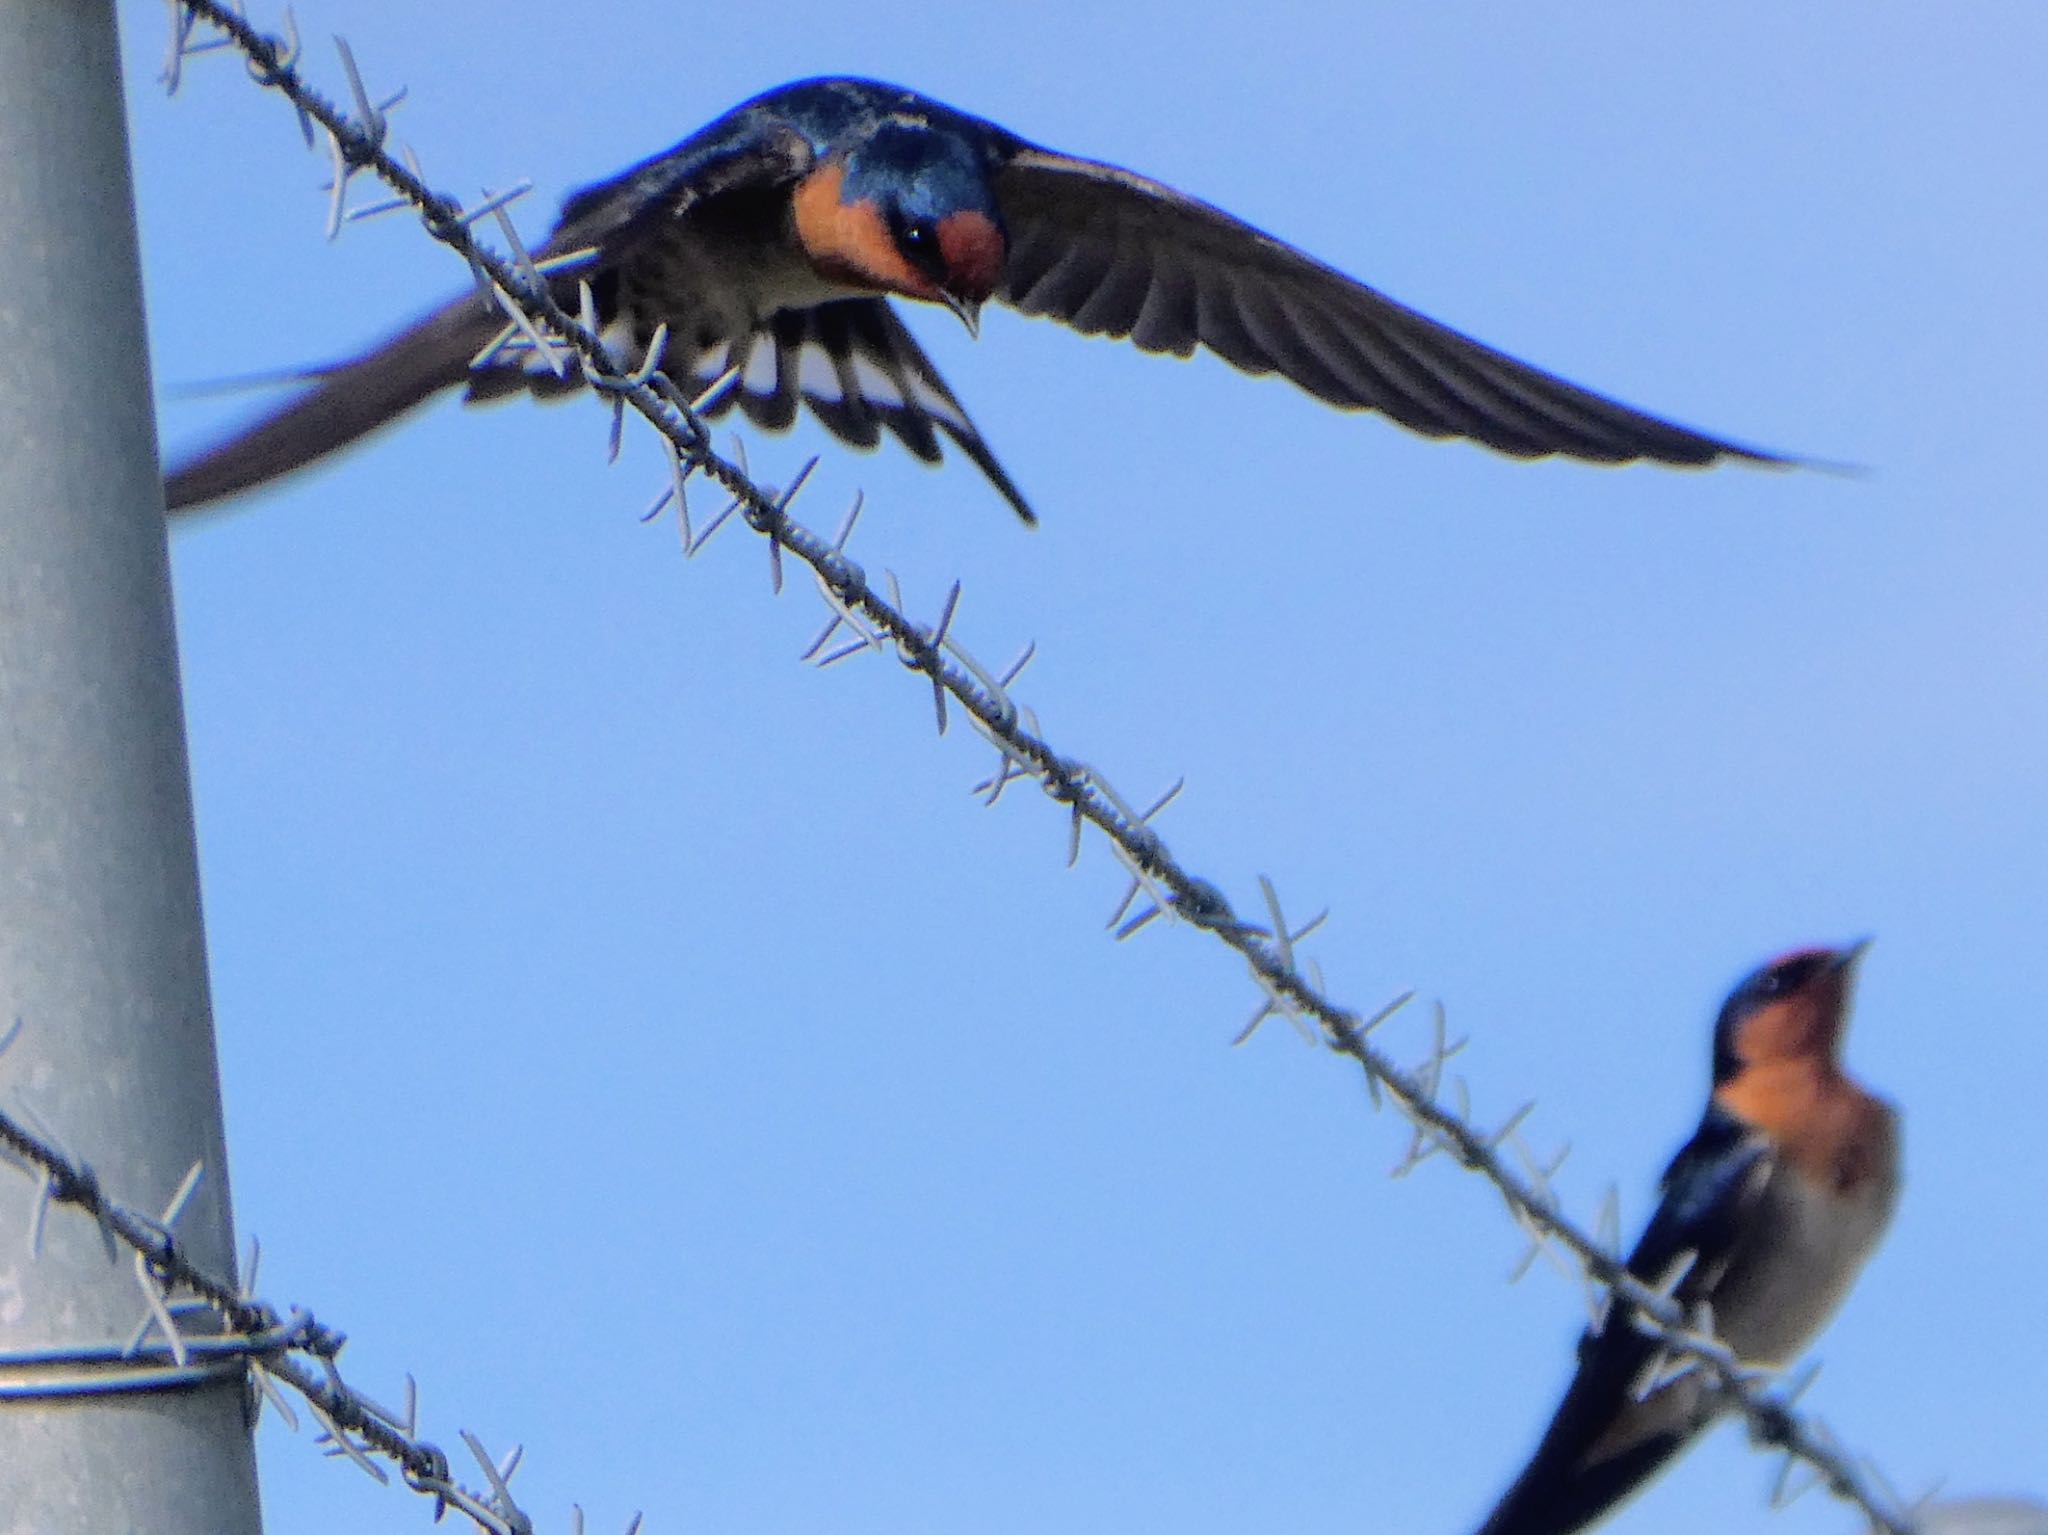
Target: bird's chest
718, 274
1809, 1242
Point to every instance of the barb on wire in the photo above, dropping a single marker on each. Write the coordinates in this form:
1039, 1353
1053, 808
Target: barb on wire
1287, 989
297, 1352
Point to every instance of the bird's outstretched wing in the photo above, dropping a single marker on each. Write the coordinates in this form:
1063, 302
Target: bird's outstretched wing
740, 153
1618, 1424
612, 220
348, 401
1113, 253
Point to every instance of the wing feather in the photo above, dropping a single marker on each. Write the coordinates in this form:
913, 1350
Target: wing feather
1617, 1426
1091, 245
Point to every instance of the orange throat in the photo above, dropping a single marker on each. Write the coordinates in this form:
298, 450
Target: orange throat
848, 242
1824, 1124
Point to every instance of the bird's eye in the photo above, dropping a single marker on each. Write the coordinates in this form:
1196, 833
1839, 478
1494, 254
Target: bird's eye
920, 242
1786, 977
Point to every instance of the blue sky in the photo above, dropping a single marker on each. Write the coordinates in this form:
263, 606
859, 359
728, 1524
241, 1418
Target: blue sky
648, 1041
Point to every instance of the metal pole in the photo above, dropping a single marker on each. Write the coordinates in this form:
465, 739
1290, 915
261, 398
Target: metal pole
101, 952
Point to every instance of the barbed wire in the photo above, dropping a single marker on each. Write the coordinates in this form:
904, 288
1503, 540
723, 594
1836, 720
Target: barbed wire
1290, 985
212, 1330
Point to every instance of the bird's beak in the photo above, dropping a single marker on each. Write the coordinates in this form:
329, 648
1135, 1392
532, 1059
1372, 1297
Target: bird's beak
1847, 956
968, 310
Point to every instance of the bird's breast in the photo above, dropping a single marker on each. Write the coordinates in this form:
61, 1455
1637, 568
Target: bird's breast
1811, 1240
714, 278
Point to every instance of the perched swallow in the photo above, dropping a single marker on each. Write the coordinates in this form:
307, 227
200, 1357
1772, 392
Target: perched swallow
771, 240
1768, 1213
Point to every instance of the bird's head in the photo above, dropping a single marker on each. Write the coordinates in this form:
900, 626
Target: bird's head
908, 209
1793, 1009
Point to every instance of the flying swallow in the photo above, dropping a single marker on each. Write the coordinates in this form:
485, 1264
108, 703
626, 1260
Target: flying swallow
1768, 1214
771, 241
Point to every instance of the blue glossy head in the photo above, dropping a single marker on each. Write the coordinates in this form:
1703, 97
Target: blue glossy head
907, 208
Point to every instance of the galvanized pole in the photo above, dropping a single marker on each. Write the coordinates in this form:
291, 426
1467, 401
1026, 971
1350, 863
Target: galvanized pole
101, 953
